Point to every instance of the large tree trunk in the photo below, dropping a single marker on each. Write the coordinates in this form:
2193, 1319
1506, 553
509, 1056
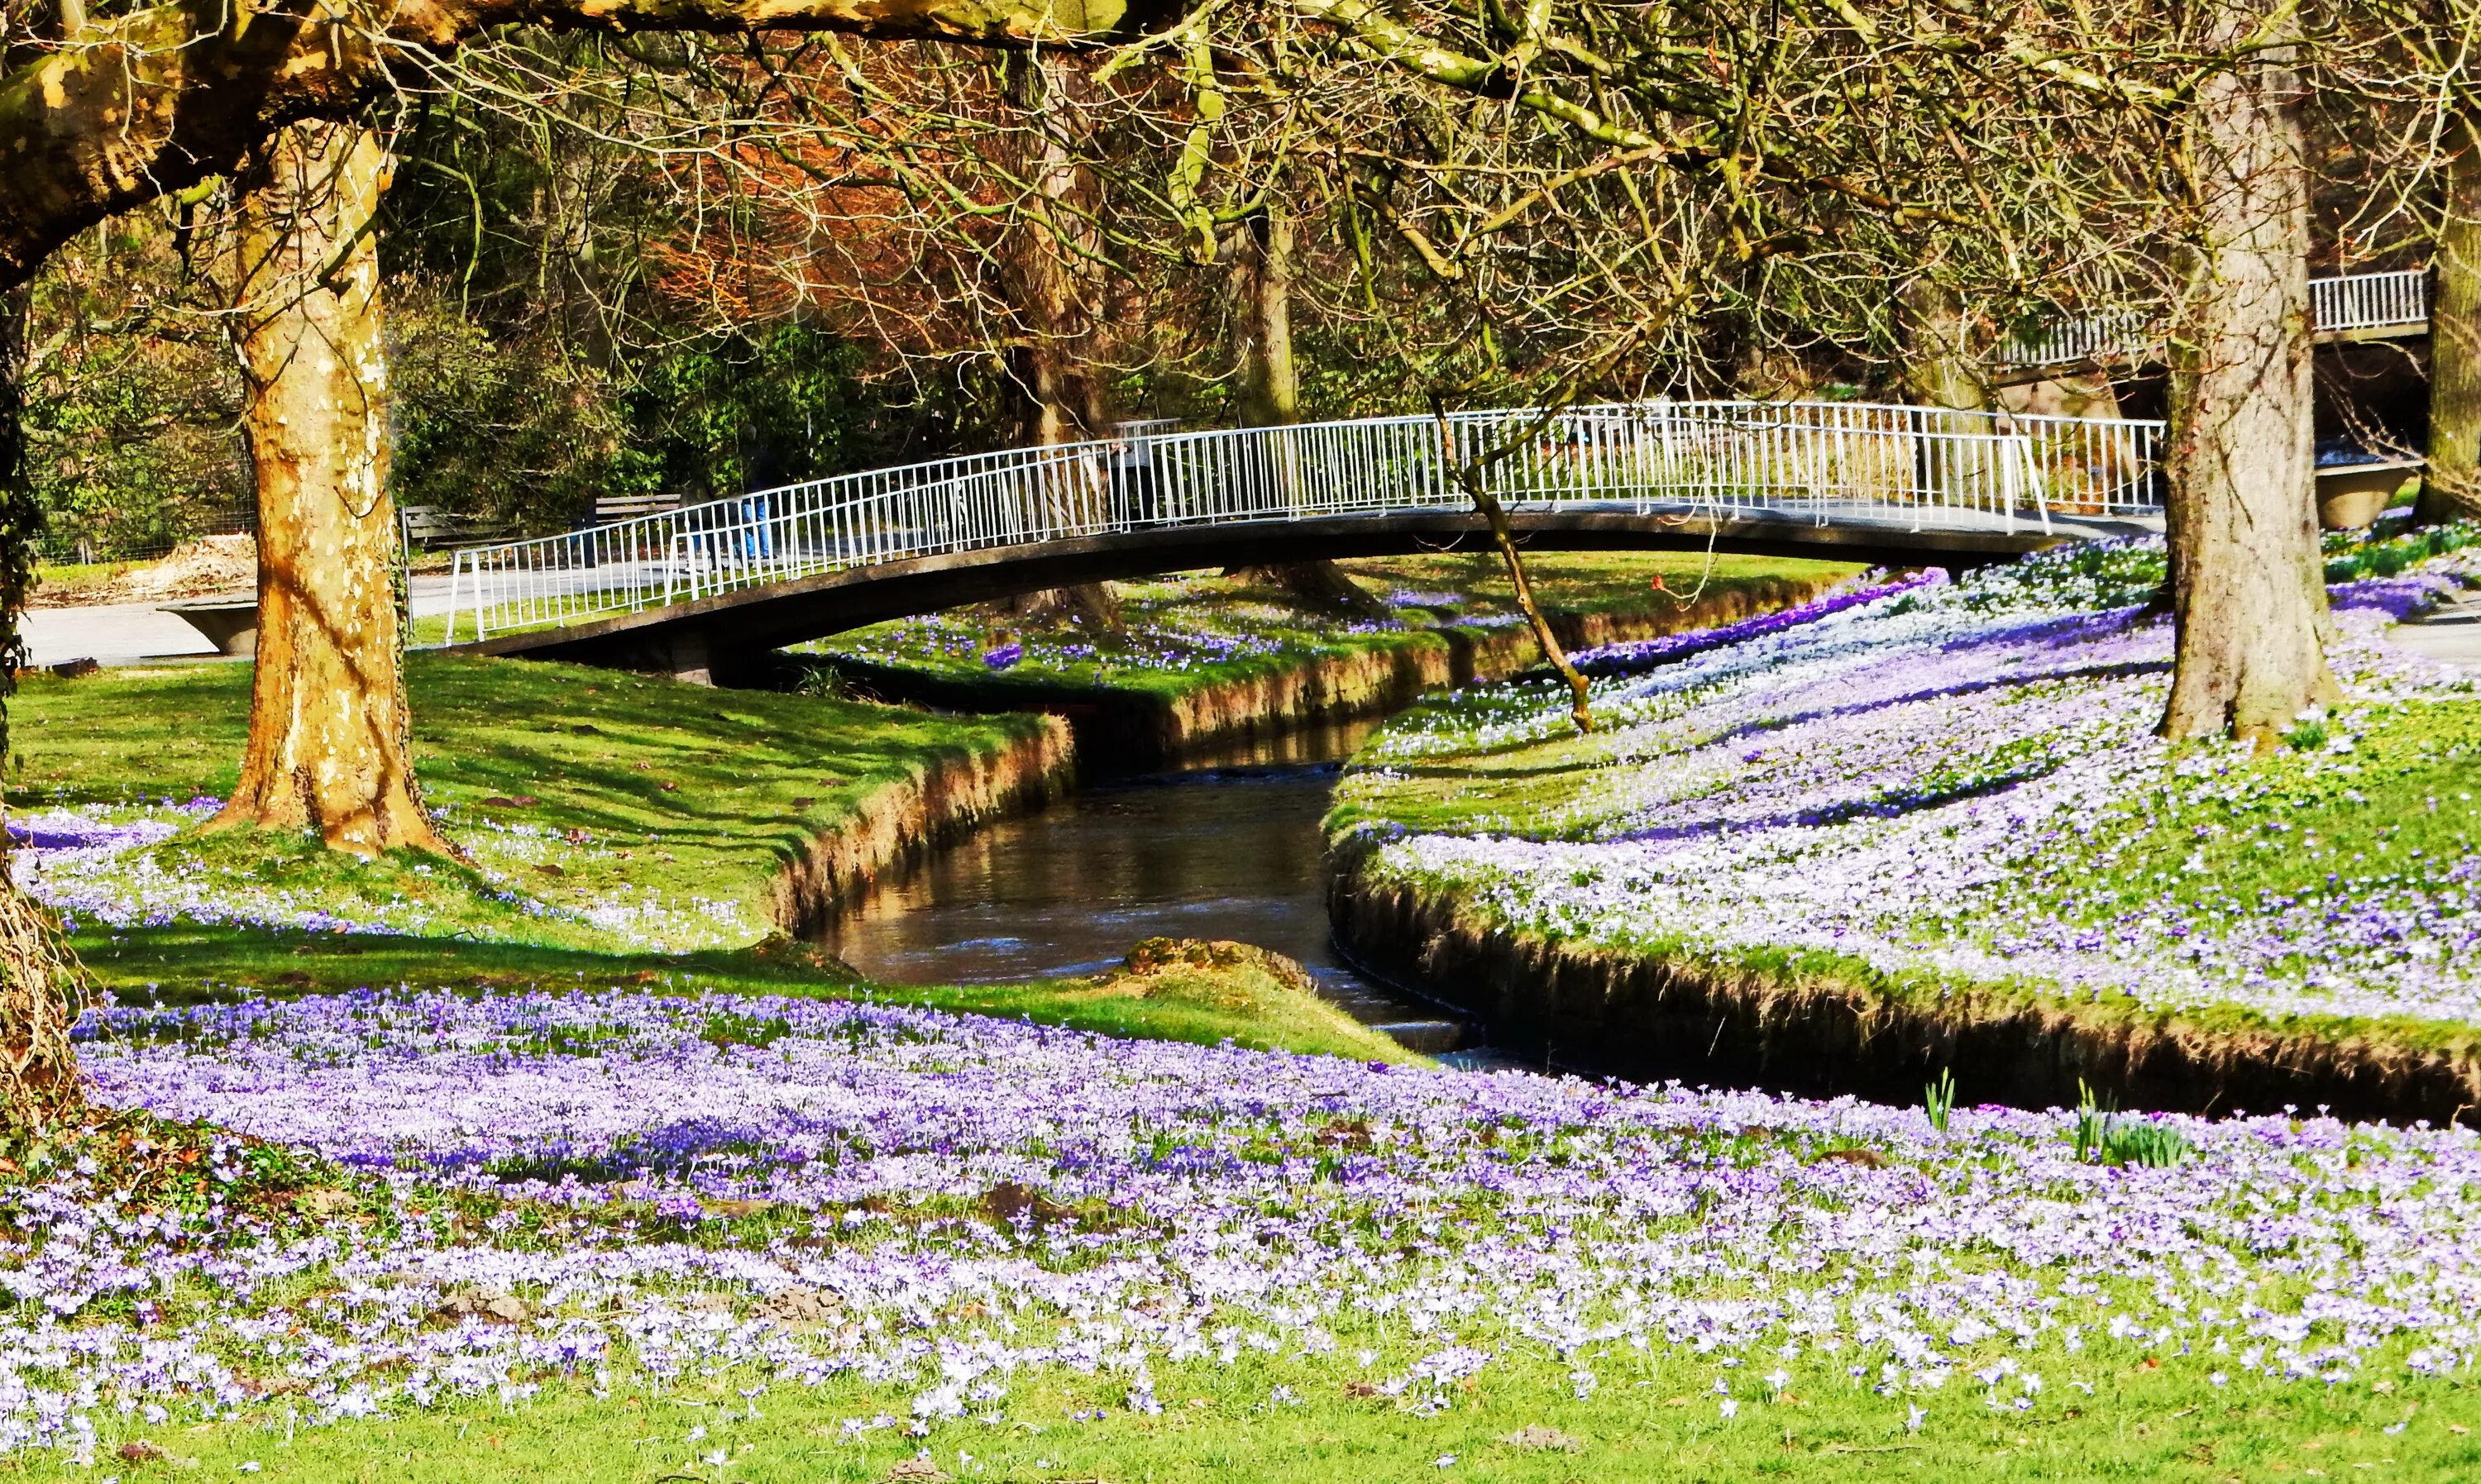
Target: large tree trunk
327, 746
172, 94
2451, 487
1050, 273
39, 992
1270, 397
1270, 384
2247, 589
1938, 369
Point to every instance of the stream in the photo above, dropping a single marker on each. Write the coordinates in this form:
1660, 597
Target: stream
1228, 846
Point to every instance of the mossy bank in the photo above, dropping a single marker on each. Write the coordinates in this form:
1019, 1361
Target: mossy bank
1310, 671
1817, 1024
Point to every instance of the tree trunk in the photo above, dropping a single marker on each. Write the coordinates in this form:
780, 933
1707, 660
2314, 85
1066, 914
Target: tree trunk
1938, 370
40, 991
1270, 385
1270, 397
2247, 581
1049, 272
327, 746
2451, 487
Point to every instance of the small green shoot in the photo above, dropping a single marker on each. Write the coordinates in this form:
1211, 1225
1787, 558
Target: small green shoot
2102, 1136
1938, 1099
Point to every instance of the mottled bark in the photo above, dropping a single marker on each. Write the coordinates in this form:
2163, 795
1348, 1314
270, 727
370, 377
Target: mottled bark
2451, 487
169, 95
2247, 590
328, 747
39, 989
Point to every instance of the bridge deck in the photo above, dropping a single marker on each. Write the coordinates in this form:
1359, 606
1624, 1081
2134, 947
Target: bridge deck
732, 630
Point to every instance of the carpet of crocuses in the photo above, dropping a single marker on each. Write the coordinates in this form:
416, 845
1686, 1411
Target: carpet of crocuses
95, 866
1942, 782
967, 1215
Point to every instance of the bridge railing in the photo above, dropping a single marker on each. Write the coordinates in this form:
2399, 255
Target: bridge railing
1826, 460
2370, 300
2349, 302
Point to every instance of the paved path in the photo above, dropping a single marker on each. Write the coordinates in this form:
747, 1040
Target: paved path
2451, 633
133, 633
109, 634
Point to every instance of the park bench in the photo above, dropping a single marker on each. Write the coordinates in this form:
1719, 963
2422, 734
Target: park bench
609, 510
428, 526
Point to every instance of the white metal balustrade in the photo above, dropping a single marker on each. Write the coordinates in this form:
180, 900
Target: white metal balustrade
1915, 468
2369, 300
2351, 301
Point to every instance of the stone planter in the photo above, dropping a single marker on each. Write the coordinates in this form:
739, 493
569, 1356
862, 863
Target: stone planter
2350, 496
230, 624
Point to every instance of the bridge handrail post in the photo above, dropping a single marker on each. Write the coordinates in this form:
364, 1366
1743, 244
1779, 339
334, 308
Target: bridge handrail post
455, 576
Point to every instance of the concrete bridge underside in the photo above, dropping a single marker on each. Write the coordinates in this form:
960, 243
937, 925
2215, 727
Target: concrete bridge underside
728, 639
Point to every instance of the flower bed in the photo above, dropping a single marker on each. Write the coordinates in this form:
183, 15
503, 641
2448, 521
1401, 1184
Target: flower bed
1640, 655
955, 1223
1961, 784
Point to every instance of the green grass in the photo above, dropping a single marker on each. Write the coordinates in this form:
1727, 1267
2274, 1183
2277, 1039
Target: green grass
636, 784
1649, 1420
588, 756
2402, 800
66, 579
1283, 636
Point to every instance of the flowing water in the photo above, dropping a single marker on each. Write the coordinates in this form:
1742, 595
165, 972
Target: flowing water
1227, 847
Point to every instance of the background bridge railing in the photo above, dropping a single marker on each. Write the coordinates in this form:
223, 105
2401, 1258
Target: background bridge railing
2350, 302
1828, 462
2370, 300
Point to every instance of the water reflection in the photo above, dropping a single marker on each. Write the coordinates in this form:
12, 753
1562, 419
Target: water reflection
1227, 848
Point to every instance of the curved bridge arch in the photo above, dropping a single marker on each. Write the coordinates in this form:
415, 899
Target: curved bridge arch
710, 592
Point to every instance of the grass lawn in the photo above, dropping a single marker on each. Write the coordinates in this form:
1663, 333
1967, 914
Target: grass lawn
601, 809
2139, 1424
1196, 629
778, 1238
574, 789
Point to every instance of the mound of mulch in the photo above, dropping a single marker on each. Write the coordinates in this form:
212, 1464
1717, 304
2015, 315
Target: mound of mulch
209, 565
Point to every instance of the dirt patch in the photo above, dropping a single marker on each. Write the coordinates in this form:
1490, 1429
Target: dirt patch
195, 569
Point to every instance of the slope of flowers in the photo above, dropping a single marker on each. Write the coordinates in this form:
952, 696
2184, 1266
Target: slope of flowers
1633, 656
1962, 781
92, 863
959, 1213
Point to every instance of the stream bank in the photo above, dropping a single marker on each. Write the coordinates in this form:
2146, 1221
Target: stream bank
903, 822
1793, 1029
1124, 729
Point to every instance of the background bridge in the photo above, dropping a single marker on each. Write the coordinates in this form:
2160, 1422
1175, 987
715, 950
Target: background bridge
2389, 306
711, 589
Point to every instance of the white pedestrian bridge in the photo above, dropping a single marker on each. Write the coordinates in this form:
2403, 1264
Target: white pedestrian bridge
700, 589
2384, 305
